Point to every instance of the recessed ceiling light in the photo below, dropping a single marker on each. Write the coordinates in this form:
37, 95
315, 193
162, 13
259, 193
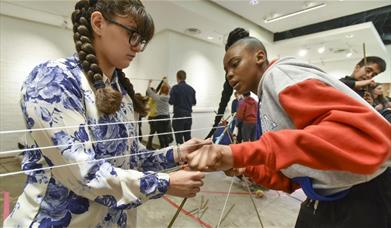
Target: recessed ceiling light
349, 54
253, 2
321, 50
210, 38
303, 52
349, 36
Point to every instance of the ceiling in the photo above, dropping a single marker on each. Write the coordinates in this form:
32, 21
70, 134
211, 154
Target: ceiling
337, 44
267, 9
179, 15
215, 19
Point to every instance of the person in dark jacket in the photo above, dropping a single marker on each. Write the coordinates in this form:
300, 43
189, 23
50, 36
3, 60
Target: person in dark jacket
182, 97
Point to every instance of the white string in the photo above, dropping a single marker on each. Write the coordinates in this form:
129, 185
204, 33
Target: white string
92, 125
252, 201
232, 179
225, 203
155, 152
146, 79
98, 141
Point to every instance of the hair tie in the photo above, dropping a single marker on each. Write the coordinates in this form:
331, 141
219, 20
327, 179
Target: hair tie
99, 84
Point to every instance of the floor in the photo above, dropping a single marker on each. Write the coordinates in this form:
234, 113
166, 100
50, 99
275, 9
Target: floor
276, 209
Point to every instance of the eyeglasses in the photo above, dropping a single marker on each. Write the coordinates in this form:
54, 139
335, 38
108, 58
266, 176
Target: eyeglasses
135, 39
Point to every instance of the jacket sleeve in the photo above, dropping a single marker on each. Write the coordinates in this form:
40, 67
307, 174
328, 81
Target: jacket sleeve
173, 94
333, 132
152, 94
194, 98
53, 102
271, 179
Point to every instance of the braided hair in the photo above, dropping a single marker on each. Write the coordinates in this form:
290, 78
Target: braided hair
234, 35
108, 100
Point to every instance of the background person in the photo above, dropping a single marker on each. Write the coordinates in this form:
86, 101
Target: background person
183, 98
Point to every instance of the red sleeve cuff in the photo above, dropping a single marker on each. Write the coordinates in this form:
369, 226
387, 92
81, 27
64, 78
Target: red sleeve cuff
251, 153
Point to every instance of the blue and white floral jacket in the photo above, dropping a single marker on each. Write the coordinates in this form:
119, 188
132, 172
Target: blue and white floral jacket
59, 108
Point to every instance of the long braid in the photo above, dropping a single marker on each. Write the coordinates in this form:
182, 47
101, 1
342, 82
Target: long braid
234, 35
108, 100
139, 106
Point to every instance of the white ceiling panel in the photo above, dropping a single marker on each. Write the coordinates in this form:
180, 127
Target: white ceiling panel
265, 9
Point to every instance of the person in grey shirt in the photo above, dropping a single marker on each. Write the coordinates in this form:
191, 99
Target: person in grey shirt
163, 126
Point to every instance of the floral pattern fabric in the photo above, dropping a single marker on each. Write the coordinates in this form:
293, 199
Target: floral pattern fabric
104, 173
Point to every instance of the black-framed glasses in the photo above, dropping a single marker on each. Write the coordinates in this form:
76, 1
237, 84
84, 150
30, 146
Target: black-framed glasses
135, 39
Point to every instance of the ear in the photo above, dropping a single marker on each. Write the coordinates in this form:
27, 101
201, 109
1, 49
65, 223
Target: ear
261, 57
356, 69
97, 22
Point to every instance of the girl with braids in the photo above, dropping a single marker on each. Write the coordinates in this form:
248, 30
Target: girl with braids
82, 109
234, 35
318, 134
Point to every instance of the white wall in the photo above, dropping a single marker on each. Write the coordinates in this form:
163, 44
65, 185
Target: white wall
23, 45
202, 61
388, 47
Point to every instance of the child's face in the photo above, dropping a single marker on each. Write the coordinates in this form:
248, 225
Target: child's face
240, 65
366, 72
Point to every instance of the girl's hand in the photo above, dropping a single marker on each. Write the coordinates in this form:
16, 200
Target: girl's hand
185, 183
211, 158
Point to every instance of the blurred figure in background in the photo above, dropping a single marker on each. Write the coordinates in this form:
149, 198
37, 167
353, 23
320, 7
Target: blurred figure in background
143, 100
152, 114
234, 108
183, 98
162, 123
380, 102
247, 116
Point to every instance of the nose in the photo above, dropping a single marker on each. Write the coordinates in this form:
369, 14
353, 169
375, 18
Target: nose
370, 75
229, 75
137, 47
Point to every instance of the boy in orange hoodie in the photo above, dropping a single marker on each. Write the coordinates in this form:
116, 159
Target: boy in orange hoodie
318, 134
